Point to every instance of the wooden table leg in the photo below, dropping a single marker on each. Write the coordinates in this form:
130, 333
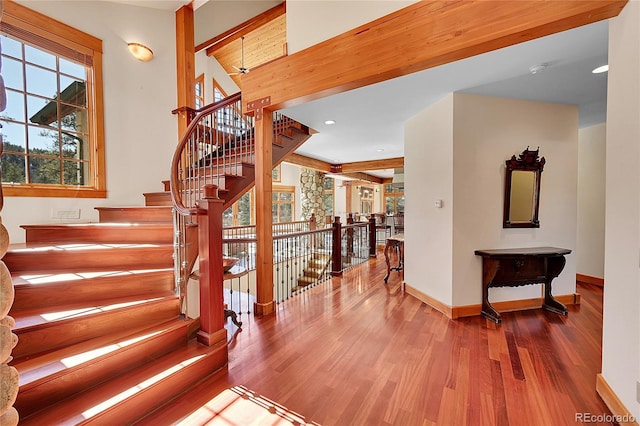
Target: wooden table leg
554, 266
386, 259
489, 269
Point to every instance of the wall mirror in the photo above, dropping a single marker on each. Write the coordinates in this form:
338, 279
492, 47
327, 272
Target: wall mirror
522, 190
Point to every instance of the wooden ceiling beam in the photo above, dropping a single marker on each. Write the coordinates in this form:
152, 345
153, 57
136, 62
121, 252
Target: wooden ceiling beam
219, 41
420, 36
308, 162
365, 177
361, 166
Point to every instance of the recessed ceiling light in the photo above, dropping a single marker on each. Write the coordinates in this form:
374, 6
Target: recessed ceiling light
601, 69
380, 150
329, 122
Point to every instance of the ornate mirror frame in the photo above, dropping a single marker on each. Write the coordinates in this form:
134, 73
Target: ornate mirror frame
529, 163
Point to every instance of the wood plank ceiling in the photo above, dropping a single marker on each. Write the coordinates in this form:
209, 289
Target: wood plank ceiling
261, 45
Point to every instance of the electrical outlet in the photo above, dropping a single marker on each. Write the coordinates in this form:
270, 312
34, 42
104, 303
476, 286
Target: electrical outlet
65, 213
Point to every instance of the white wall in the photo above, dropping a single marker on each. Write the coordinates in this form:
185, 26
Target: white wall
428, 169
488, 131
591, 199
455, 151
140, 131
621, 325
310, 22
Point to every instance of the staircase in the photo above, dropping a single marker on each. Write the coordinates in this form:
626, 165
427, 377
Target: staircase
313, 271
101, 338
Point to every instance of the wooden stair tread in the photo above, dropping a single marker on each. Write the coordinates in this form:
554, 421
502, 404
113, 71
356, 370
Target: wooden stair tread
135, 389
34, 291
48, 364
36, 319
86, 257
106, 225
53, 279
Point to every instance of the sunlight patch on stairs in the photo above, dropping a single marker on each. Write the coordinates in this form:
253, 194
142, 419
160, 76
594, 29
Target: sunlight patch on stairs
52, 316
84, 357
105, 405
72, 247
241, 406
52, 278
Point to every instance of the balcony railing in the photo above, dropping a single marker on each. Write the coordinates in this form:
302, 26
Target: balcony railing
301, 260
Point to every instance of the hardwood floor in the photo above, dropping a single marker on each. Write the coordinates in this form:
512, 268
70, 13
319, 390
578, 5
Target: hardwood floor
354, 351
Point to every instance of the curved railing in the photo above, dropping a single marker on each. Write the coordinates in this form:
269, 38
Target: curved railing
216, 141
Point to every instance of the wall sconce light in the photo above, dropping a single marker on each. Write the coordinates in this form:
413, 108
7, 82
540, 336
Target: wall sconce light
140, 52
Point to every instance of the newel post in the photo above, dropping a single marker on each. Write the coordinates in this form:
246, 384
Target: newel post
350, 221
336, 253
372, 236
313, 222
212, 329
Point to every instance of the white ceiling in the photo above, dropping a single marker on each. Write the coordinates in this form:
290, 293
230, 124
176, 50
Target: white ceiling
371, 118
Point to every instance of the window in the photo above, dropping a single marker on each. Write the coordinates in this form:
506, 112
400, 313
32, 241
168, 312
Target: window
52, 126
199, 87
276, 173
328, 196
366, 199
241, 212
218, 93
283, 206
393, 199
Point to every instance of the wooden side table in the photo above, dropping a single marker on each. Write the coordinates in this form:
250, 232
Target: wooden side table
518, 267
394, 242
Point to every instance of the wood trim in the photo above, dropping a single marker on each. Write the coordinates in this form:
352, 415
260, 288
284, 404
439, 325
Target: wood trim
185, 64
353, 170
365, 177
264, 222
98, 154
308, 162
219, 41
435, 304
61, 192
16, 14
622, 415
454, 312
394, 45
512, 305
588, 279
361, 166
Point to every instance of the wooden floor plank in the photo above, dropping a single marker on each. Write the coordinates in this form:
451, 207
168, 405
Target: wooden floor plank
356, 351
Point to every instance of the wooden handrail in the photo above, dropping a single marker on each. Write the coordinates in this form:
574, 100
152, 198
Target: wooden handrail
176, 197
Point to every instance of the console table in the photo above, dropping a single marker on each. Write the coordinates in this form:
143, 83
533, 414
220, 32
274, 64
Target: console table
518, 267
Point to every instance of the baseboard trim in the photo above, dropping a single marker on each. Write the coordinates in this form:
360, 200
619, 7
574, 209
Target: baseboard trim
513, 305
435, 304
588, 279
454, 312
619, 411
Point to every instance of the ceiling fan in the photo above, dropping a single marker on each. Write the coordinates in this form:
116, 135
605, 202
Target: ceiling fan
242, 69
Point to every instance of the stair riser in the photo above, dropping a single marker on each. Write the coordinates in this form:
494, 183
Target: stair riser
158, 199
44, 338
93, 234
135, 215
30, 297
114, 259
151, 398
34, 396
